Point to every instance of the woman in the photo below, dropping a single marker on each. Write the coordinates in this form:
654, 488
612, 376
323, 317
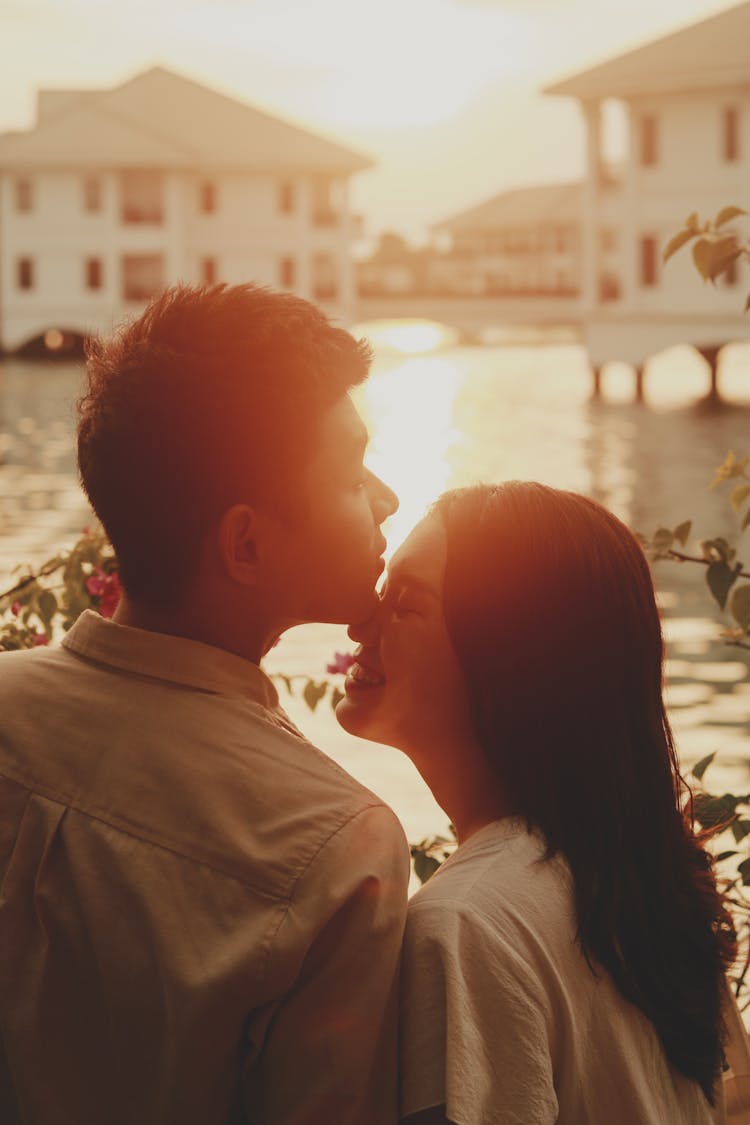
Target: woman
567, 963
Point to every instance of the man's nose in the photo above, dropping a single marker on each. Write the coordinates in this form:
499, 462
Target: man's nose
385, 500
367, 632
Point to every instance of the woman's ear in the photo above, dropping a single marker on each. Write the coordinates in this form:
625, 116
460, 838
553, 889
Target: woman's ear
240, 532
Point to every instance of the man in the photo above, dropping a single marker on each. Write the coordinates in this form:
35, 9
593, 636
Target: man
201, 914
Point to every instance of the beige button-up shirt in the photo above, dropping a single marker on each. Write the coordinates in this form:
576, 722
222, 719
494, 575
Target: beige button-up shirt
200, 913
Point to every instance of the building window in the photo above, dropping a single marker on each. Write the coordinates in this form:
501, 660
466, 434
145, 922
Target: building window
324, 212
731, 134
649, 255
142, 197
142, 276
649, 140
207, 201
24, 195
94, 273
208, 271
25, 273
286, 197
324, 280
287, 271
92, 194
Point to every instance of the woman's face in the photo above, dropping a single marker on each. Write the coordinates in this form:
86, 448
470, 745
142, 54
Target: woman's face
406, 688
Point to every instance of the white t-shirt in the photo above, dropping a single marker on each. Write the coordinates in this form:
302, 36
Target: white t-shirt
503, 1022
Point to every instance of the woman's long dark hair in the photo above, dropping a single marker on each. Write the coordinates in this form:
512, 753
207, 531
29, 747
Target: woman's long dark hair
551, 610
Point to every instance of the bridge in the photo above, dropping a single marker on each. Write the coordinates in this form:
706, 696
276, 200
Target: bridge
473, 315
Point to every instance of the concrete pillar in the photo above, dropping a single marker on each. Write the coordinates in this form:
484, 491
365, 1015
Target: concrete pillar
711, 356
639, 395
628, 233
590, 249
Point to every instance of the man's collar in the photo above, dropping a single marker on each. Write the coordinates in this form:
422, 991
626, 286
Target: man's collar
175, 660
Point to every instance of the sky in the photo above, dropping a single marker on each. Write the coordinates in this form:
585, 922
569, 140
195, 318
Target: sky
444, 95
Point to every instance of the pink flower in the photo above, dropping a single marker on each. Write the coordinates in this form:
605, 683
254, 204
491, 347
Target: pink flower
341, 663
106, 588
15, 609
40, 639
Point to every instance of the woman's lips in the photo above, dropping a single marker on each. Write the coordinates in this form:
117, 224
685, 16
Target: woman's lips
362, 678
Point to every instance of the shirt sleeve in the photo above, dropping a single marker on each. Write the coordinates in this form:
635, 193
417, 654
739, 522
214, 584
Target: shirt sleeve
474, 1025
330, 1053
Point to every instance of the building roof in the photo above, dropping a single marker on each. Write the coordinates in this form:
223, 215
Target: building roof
713, 53
161, 119
554, 204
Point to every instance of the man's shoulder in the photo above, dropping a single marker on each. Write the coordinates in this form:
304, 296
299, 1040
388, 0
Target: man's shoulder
218, 781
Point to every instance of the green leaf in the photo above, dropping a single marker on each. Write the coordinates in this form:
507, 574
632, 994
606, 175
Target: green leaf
682, 531
739, 496
739, 605
713, 255
47, 608
727, 214
744, 870
703, 256
336, 696
678, 240
700, 767
712, 811
732, 466
726, 855
692, 222
740, 829
746, 520
313, 693
720, 579
663, 540
425, 866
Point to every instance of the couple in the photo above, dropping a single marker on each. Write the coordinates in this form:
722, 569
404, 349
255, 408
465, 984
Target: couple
202, 916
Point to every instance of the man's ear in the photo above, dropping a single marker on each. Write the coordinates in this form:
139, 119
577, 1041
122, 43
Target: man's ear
240, 536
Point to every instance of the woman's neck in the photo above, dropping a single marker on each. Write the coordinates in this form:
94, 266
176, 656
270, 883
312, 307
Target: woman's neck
464, 785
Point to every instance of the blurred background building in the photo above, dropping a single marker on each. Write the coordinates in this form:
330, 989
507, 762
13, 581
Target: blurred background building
116, 193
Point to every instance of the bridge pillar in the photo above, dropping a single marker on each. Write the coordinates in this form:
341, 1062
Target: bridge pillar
640, 371
711, 356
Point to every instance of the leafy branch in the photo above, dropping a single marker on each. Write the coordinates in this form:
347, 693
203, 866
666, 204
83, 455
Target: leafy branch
715, 249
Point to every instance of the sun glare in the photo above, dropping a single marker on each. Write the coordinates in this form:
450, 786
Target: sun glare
409, 411
410, 337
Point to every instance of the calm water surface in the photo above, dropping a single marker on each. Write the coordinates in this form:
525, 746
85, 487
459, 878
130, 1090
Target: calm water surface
451, 417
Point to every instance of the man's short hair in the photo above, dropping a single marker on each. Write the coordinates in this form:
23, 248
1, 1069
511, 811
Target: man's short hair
209, 398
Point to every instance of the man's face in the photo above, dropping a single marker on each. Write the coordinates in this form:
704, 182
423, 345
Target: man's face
323, 563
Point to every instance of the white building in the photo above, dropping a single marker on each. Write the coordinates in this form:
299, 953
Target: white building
686, 100
523, 242
115, 193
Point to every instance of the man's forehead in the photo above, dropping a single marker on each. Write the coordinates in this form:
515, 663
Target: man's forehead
342, 429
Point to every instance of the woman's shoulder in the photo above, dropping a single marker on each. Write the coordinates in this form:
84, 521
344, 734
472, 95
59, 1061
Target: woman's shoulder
495, 886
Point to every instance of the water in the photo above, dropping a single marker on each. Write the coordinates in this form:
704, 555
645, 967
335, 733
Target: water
452, 416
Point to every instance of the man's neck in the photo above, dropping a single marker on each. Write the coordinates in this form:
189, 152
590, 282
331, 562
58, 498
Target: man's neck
194, 626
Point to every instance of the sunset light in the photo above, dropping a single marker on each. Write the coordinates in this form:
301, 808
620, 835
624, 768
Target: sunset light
409, 409
410, 337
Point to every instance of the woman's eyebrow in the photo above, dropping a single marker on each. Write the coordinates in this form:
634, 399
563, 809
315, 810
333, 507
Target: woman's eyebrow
403, 578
